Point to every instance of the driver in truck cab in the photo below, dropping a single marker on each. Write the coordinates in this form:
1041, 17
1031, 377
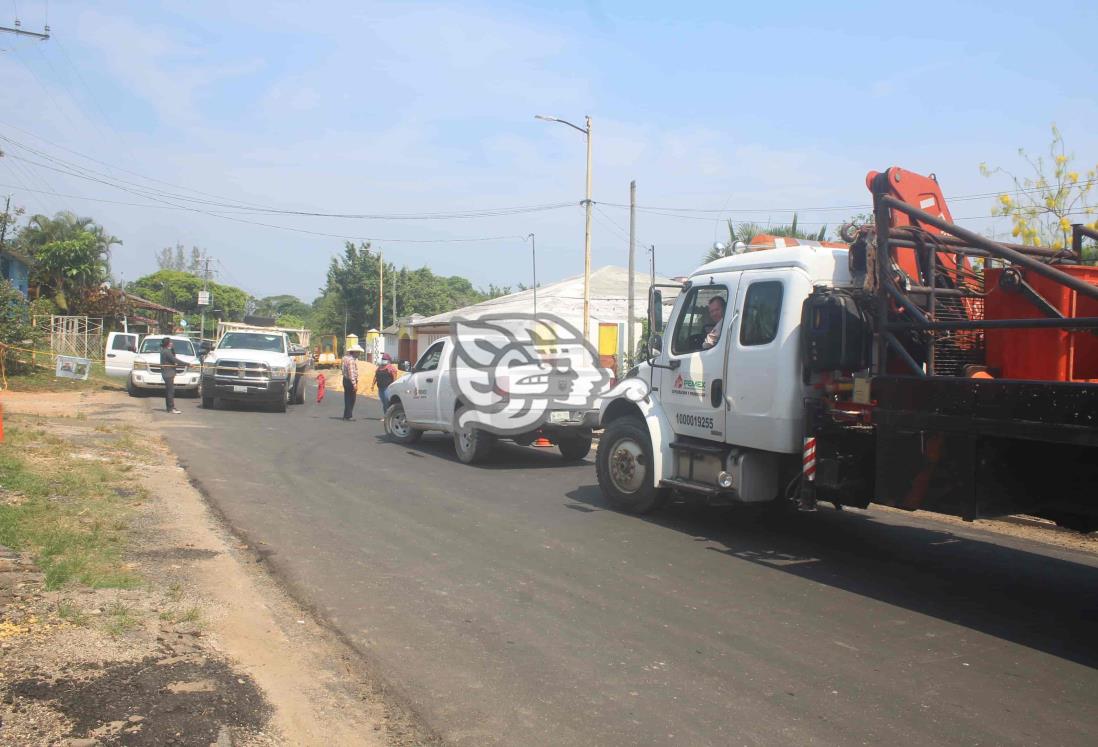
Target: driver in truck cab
716, 314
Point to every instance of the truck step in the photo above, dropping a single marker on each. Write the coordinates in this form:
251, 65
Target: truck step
698, 447
690, 486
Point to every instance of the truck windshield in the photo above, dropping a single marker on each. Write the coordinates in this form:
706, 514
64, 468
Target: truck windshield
251, 341
181, 347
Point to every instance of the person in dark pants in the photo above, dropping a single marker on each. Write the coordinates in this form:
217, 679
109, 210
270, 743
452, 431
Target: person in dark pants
169, 364
384, 375
350, 380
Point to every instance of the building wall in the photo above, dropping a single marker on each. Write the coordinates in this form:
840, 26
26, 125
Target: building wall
15, 271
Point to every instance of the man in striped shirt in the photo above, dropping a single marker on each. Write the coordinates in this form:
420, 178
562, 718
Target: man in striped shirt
350, 380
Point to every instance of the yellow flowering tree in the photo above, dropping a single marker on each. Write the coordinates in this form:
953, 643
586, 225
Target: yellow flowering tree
1044, 205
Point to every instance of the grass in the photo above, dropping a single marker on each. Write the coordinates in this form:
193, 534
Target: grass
119, 619
70, 612
41, 379
188, 615
65, 510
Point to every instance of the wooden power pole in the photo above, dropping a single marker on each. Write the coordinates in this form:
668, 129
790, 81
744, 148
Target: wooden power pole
631, 313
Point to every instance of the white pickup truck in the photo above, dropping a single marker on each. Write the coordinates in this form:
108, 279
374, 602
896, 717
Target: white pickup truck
509, 395
145, 373
252, 365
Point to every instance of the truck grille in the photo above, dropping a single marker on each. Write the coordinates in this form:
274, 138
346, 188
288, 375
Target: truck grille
243, 371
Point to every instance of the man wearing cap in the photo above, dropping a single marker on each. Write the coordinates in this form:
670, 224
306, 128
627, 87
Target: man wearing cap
384, 375
350, 380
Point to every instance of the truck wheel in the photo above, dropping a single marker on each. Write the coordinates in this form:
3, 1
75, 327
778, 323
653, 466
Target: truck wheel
131, 389
284, 400
299, 391
471, 444
624, 467
396, 425
575, 448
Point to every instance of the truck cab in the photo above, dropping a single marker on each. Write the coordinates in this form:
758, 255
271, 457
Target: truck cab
724, 414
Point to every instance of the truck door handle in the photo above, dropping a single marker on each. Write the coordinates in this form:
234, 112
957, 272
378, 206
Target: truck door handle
110, 355
716, 393
429, 381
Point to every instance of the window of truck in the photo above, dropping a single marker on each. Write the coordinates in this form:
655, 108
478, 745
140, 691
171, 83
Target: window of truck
762, 310
252, 341
702, 318
153, 345
429, 360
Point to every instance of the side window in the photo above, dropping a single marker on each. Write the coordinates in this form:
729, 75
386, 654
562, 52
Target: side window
762, 310
122, 342
701, 321
430, 359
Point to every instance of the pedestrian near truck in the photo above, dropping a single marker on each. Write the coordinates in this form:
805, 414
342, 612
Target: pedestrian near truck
168, 367
384, 376
350, 380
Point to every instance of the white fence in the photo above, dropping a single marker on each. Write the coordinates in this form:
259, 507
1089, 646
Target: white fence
77, 336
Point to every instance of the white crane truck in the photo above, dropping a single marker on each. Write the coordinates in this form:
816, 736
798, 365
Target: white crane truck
895, 370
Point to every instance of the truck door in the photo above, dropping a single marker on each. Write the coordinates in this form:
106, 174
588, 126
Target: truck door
692, 387
761, 381
120, 353
423, 406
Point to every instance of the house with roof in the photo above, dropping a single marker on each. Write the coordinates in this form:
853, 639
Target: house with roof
15, 267
609, 310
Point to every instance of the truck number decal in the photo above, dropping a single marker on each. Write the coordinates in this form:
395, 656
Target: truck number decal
694, 421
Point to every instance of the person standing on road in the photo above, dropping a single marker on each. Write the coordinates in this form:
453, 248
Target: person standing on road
384, 376
169, 365
350, 380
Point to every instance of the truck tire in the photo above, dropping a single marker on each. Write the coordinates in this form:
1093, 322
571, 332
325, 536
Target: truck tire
284, 400
471, 444
131, 389
396, 425
574, 448
623, 465
299, 391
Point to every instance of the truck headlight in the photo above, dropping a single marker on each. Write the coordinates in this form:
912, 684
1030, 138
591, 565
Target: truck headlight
279, 372
140, 366
209, 367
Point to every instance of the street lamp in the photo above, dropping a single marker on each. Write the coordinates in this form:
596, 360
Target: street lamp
587, 223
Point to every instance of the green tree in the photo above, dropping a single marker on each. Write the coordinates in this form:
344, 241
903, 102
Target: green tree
283, 305
1046, 202
71, 254
180, 291
175, 258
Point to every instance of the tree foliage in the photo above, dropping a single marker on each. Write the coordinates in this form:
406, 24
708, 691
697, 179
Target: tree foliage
176, 258
71, 256
350, 295
179, 290
283, 305
1048, 200
15, 325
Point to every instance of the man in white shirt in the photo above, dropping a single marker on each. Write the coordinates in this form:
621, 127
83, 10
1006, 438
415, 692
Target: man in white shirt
716, 315
350, 380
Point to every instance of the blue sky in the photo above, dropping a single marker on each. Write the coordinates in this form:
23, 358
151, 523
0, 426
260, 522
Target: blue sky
398, 108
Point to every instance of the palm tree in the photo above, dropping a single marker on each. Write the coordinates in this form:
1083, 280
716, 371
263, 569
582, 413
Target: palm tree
747, 232
72, 253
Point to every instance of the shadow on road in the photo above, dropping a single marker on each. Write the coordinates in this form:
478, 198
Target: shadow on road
505, 455
1043, 602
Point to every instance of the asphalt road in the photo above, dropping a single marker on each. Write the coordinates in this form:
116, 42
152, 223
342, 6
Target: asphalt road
507, 605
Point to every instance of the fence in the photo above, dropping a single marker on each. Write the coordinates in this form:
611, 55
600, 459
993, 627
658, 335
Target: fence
78, 336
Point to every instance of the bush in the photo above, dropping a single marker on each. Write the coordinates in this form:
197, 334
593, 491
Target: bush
16, 329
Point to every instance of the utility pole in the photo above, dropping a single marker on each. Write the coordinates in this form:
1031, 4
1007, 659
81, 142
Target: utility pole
652, 251
206, 290
534, 262
587, 244
380, 291
19, 31
394, 301
4, 223
586, 130
631, 313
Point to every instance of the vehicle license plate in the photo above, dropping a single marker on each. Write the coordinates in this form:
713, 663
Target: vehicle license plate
559, 416
240, 389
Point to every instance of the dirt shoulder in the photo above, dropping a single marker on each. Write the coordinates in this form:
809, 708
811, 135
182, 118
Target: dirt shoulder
171, 632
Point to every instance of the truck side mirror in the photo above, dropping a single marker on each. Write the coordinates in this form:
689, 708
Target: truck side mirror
655, 346
405, 366
655, 311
